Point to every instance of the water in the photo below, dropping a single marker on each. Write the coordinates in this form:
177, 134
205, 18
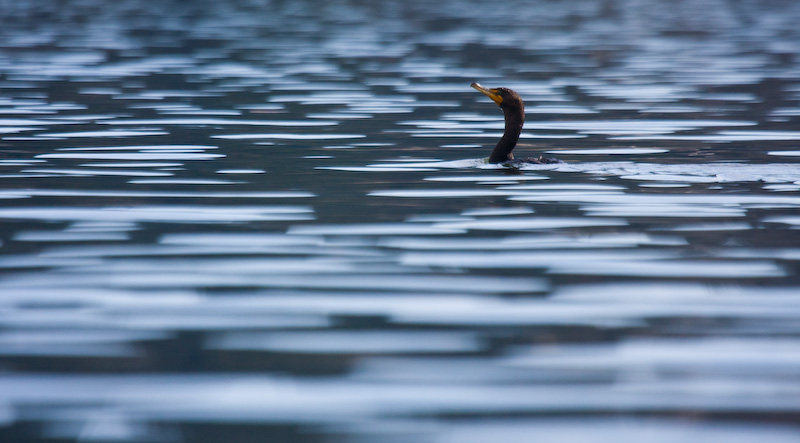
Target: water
271, 221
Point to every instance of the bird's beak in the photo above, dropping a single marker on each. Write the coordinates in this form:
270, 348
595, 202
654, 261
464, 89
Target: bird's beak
491, 93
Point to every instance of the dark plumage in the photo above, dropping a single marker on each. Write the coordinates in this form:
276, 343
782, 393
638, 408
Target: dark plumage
514, 111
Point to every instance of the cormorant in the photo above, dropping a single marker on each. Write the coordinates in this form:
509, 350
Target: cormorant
514, 110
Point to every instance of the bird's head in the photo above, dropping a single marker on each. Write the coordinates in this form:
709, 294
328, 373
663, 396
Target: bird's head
504, 97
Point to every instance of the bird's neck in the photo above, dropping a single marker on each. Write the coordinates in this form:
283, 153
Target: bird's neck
514, 121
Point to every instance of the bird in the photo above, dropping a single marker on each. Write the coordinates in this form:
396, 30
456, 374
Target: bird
514, 111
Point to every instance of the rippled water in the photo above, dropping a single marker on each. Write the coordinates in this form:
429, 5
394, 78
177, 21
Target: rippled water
271, 221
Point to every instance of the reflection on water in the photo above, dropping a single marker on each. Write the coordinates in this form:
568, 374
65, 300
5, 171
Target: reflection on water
272, 221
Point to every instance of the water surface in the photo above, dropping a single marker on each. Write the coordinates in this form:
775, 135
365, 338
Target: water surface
272, 221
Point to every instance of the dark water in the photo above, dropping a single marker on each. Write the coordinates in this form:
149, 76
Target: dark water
249, 221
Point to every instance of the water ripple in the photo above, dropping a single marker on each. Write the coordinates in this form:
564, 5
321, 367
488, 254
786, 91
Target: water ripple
164, 214
219, 122
135, 156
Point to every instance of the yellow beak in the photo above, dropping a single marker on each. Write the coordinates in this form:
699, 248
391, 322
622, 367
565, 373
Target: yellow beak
491, 93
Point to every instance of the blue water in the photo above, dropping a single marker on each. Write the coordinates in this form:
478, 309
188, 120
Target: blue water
272, 221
